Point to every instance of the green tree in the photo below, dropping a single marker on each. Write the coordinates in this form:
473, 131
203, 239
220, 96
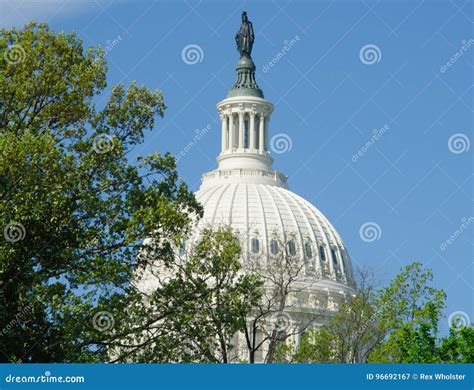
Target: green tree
205, 296
348, 337
458, 346
410, 309
73, 211
396, 324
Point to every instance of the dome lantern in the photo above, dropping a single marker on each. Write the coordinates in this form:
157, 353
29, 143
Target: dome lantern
245, 115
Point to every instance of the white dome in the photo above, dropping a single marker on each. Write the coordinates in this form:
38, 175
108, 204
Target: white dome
266, 212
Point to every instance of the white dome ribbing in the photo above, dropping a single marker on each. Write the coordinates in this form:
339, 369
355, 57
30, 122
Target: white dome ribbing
262, 212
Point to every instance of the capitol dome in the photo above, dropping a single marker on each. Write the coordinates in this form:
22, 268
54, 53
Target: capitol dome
271, 222
245, 193
261, 213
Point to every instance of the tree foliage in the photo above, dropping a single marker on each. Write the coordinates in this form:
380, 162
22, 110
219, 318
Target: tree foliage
197, 306
395, 324
73, 210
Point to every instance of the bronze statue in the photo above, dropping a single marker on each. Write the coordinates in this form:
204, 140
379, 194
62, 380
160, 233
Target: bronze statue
245, 37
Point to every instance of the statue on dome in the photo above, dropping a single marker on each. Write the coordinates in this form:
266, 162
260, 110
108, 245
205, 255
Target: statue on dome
245, 37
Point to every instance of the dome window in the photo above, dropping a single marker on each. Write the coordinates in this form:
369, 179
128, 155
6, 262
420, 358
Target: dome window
334, 257
274, 247
255, 245
292, 248
322, 253
308, 250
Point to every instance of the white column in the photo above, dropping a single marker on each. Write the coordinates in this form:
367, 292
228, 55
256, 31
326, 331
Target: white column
252, 144
225, 122
267, 119
241, 129
261, 134
231, 131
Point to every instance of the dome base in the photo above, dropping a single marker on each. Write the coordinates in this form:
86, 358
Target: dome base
244, 175
244, 158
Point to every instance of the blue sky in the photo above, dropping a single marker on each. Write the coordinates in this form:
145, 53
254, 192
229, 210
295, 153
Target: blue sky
331, 90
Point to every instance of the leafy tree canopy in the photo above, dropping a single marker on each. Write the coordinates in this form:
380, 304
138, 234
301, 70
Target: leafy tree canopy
73, 210
395, 324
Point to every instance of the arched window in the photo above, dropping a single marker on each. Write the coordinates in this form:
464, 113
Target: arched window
255, 245
344, 262
334, 257
308, 249
292, 248
274, 247
322, 253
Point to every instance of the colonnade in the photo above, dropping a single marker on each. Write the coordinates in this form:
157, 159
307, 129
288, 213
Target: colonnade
244, 130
